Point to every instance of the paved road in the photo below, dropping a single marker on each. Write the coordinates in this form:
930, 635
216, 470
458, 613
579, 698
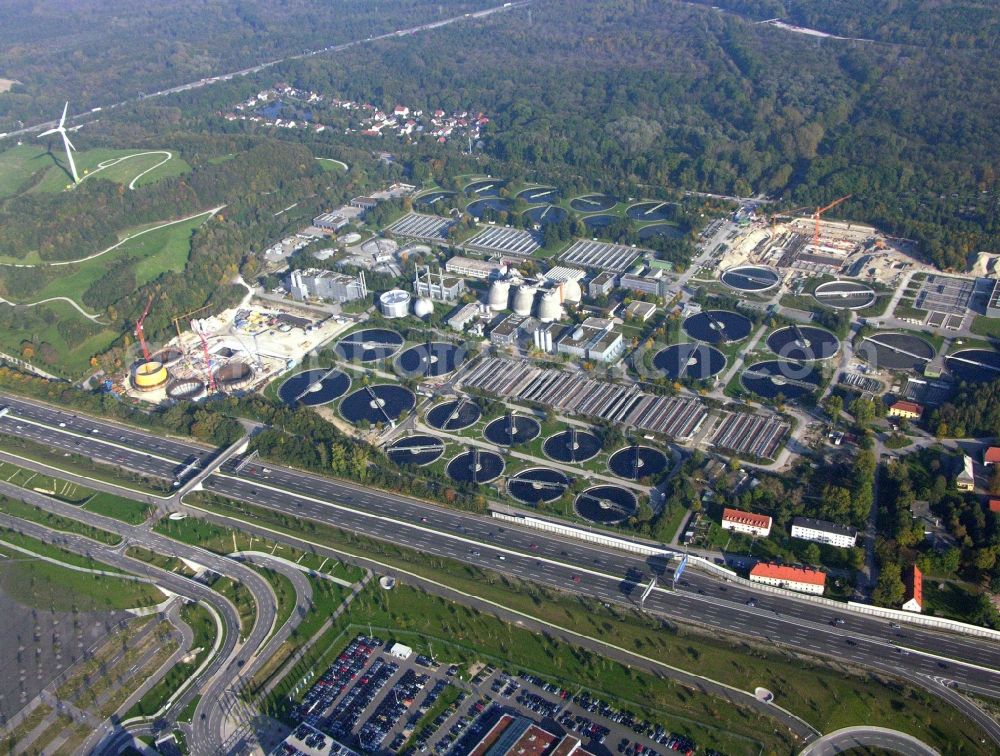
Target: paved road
236, 658
881, 738
614, 577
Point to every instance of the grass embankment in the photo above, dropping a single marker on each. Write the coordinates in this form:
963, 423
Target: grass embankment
828, 696
55, 587
30, 512
78, 464
200, 620
106, 504
326, 597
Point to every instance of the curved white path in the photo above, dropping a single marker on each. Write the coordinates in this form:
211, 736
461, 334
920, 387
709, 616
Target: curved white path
338, 162
104, 164
52, 299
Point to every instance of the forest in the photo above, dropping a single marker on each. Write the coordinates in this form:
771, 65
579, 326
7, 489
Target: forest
93, 54
647, 97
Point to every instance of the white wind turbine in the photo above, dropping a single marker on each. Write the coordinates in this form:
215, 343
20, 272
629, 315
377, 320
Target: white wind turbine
61, 131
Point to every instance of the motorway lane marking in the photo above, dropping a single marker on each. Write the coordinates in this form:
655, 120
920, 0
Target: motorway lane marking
516, 612
711, 601
92, 438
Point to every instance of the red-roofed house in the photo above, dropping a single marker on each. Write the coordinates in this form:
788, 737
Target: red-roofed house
914, 590
401, 110
746, 522
995, 505
991, 456
909, 410
801, 579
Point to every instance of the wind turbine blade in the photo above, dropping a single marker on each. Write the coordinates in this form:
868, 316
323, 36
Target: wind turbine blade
63, 119
69, 156
46, 133
66, 139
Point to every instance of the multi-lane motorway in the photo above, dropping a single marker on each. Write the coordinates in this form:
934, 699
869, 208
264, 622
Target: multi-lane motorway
935, 660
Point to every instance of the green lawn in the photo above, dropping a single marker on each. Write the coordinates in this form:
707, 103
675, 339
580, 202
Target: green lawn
203, 626
46, 484
154, 252
983, 326
74, 354
57, 176
20, 163
118, 507
52, 587
31, 513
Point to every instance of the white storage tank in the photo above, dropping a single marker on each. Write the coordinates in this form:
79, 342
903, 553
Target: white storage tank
394, 303
549, 308
499, 295
423, 307
524, 300
572, 291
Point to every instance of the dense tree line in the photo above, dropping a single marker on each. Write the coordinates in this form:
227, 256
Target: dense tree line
630, 99
974, 410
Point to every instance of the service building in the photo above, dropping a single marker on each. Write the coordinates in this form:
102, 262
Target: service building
746, 522
801, 579
822, 531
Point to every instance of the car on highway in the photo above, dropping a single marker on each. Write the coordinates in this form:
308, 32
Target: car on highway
751, 603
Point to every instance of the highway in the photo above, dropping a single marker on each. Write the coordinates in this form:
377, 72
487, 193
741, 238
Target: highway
934, 660
90, 115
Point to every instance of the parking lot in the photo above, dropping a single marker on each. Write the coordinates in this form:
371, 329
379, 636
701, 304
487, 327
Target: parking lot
376, 703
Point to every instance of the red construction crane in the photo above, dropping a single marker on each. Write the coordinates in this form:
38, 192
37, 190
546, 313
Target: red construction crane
820, 211
138, 328
208, 361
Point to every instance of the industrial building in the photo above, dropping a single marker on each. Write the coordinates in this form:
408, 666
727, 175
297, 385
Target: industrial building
592, 340
908, 410
993, 303
464, 315
801, 579
654, 282
639, 310
394, 303
326, 285
570, 278
437, 286
602, 284
470, 267
822, 531
746, 522
331, 222
505, 333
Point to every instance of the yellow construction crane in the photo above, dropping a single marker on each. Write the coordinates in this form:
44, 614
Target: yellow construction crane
820, 211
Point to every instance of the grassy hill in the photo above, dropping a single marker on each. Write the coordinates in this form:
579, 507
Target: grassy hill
37, 168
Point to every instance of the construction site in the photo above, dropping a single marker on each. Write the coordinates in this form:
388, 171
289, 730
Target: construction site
812, 245
236, 351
